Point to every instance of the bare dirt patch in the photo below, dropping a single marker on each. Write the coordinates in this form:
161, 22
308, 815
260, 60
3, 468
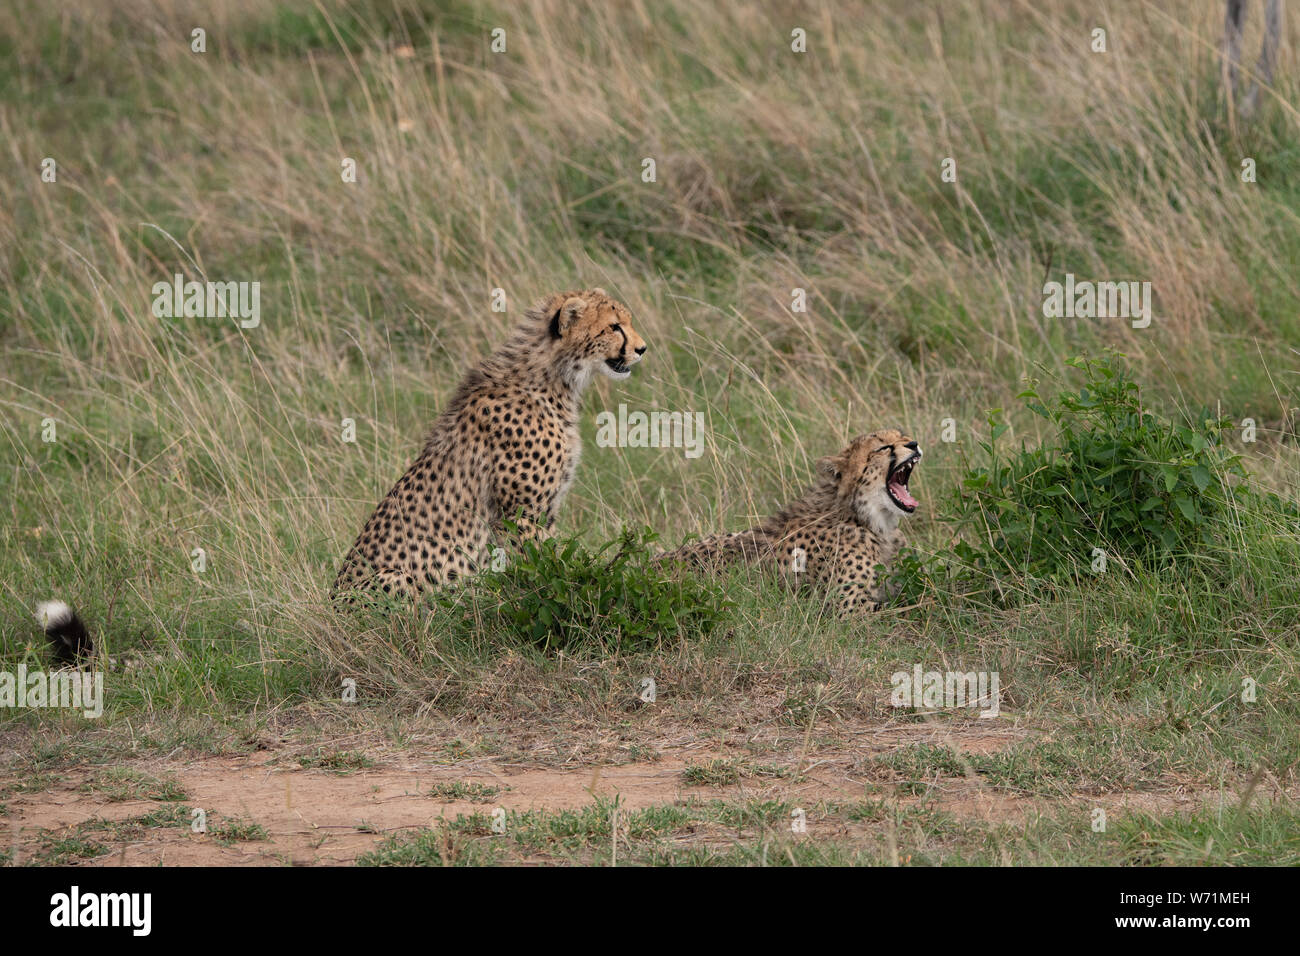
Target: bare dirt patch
312, 816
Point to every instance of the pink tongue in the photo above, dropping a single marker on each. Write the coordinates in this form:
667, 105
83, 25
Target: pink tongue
900, 492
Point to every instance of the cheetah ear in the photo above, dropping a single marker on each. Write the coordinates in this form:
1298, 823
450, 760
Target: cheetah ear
829, 468
563, 316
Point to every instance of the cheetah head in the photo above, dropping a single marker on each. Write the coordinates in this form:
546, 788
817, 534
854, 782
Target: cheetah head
871, 476
594, 333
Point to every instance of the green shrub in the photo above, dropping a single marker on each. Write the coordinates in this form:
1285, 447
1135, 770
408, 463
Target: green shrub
1113, 476
559, 595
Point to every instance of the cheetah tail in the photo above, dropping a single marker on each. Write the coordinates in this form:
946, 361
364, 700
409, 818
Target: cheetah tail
720, 549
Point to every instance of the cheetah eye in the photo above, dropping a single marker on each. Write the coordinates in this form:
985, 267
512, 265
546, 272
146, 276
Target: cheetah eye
616, 327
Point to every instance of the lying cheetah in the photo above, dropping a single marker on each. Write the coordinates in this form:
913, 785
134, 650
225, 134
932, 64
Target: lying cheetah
504, 449
838, 531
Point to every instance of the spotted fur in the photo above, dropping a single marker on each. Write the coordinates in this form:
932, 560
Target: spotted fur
835, 534
505, 449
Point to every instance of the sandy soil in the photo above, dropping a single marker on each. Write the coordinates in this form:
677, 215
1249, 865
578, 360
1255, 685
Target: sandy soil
318, 817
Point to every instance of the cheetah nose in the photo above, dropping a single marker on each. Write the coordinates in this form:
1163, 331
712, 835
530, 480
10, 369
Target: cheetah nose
913, 445
640, 350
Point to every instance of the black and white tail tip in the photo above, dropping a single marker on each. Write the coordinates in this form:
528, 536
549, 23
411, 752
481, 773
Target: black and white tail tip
68, 637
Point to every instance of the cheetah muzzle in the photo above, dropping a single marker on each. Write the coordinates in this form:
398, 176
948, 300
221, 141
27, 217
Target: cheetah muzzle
896, 484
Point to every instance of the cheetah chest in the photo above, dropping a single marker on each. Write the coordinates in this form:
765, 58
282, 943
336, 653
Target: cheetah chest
537, 460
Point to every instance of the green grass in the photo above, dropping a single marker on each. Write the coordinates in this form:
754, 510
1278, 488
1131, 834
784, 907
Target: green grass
719, 833
340, 762
118, 784
237, 830
466, 790
722, 773
97, 837
522, 171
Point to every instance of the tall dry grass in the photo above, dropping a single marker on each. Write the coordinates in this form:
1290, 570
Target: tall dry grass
521, 171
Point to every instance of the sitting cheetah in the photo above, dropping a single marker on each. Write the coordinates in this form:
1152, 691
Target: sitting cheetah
504, 449
838, 531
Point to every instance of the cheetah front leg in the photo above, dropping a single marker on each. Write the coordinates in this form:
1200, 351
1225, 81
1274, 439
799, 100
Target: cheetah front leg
396, 583
854, 595
365, 588
522, 528
522, 513
521, 518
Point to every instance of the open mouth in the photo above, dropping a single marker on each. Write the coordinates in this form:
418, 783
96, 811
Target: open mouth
896, 484
618, 366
